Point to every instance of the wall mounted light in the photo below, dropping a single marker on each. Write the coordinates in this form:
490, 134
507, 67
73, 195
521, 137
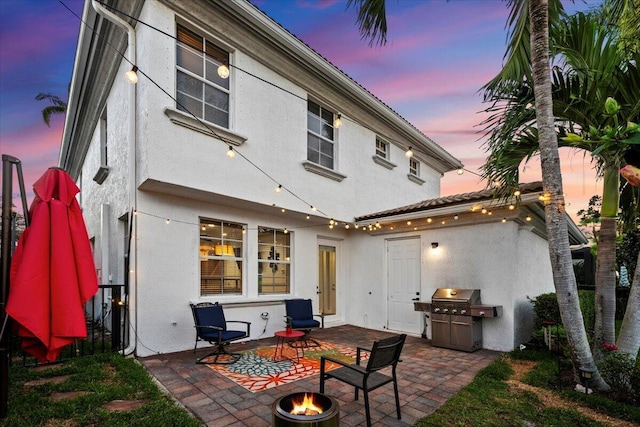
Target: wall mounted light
434, 245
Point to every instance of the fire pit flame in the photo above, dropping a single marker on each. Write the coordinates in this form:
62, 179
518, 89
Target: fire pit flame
306, 407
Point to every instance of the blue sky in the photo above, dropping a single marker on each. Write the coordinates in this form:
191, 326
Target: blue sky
438, 56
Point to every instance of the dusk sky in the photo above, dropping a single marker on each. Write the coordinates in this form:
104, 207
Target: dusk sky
439, 54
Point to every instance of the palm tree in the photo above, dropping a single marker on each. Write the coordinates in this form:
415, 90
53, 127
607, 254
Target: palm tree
528, 57
592, 68
57, 106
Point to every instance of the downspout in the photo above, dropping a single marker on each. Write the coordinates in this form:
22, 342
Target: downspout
133, 199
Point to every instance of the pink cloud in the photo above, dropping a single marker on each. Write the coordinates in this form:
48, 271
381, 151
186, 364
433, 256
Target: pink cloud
316, 4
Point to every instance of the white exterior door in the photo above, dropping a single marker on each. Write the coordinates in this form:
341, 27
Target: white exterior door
403, 278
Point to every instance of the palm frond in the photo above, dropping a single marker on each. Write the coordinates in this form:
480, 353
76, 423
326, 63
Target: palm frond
372, 20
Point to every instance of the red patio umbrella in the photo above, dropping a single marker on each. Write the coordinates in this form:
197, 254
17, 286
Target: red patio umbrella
52, 270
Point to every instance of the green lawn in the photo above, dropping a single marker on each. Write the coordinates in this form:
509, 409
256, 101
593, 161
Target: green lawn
488, 401
105, 377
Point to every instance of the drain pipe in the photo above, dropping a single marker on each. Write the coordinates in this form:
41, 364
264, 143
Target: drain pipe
133, 271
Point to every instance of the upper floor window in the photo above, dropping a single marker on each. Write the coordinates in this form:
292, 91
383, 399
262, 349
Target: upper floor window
221, 257
414, 167
199, 89
274, 261
382, 149
320, 135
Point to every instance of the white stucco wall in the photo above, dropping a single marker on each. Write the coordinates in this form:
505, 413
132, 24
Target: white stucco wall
275, 125
507, 263
168, 275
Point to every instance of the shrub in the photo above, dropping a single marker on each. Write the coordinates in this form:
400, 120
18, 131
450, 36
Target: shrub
545, 306
616, 369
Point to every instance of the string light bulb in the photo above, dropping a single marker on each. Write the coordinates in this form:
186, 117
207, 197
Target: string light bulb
528, 218
511, 207
337, 123
409, 153
223, 71
504, 220
460, 171
286, 231
279, 188
231, 153
516, 193
313, 208
132, 75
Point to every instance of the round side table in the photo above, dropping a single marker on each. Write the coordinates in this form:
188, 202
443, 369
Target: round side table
286, 336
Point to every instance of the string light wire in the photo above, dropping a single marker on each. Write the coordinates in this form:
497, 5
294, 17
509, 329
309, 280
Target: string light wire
205, 125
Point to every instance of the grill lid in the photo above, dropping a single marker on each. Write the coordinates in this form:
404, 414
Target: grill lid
465, 296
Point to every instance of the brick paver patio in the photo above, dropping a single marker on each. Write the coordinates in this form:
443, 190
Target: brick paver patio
427, 377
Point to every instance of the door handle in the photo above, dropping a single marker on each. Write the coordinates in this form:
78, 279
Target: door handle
415, 299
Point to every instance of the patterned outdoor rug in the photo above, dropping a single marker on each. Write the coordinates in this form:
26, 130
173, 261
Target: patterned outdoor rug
256, 370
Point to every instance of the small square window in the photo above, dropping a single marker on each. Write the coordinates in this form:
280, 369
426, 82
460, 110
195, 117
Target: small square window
414, 167
382, 149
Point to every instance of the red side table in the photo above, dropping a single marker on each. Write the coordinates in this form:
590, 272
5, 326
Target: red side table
286, 336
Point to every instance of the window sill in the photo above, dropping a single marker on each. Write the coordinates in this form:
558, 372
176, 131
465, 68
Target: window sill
322, 171
183, 119
102, 174
415, 179
384, 162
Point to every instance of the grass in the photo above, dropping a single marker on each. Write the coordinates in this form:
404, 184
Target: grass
488, 401
105, 377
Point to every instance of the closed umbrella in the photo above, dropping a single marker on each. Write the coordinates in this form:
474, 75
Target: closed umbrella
52, 270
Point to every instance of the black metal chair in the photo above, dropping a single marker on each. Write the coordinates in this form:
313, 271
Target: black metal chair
385, 353
211, 326
300, 317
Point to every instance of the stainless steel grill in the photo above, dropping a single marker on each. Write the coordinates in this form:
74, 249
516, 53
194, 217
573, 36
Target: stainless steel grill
456, 318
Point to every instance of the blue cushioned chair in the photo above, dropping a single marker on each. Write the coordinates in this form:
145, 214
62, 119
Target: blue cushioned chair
211, 326
300, 317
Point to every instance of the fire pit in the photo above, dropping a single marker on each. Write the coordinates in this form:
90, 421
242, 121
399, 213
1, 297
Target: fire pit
306, 409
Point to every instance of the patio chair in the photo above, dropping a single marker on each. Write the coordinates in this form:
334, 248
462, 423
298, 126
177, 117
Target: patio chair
211, 326
385, 353
300, 317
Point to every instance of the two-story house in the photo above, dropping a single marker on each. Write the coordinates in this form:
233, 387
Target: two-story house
237, 168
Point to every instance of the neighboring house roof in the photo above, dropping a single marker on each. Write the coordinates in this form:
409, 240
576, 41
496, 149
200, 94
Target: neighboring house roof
466, 209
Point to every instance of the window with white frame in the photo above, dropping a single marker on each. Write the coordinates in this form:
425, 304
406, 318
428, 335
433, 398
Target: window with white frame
382, 149
199, 89
221, 257
320, 135
274, 261
414, 167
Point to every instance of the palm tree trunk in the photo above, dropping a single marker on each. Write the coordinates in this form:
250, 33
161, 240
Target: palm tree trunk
559, 252
629, 338
604, 330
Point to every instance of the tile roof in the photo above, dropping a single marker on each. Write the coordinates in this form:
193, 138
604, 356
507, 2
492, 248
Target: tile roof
452, 200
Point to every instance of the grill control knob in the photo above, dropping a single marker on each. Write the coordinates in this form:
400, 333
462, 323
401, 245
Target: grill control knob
463, 311
446, 310
436, 310
454, 311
